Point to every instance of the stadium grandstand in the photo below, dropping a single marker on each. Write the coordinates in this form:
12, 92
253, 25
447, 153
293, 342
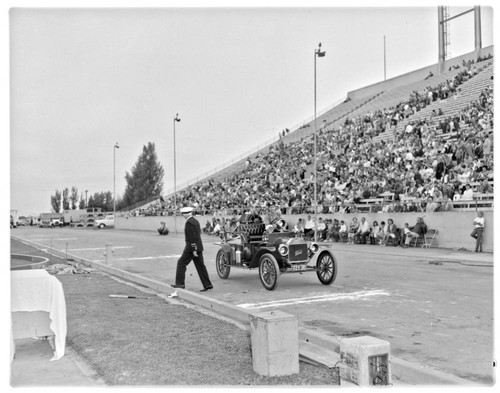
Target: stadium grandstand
418, 143
368, 147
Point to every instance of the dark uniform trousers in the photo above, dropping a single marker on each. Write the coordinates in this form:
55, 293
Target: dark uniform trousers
193, 243
185, 259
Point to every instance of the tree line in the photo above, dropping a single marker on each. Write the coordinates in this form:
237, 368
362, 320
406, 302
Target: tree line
144, 181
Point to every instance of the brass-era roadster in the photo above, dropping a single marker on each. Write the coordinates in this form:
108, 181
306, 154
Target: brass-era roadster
273, 251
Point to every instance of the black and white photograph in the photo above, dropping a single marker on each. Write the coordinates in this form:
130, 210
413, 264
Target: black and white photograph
249, 195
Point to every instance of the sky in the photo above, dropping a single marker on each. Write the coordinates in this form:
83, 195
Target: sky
83, 79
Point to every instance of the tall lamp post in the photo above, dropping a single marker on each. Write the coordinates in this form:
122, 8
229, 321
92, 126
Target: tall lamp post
114, 177
317, 53
176, 119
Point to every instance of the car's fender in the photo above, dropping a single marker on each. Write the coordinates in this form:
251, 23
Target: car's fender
322, 250
229, 252
265, 250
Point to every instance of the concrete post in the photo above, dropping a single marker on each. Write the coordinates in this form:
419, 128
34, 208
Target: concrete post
275, 343
365, 361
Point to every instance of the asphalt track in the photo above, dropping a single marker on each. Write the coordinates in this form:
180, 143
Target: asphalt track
434, 306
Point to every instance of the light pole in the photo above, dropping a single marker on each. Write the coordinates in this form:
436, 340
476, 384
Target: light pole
176, 119
317, 53
114, 177
86, 199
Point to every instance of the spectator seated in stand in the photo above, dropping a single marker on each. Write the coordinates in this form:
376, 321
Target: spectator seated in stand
309, 227
217, 228
416, 232
391, 233
363, 231
321, 229
333, 230
485, 187
406, 235
377, 232
353, 230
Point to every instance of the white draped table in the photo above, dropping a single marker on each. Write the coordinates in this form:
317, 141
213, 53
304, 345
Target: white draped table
38, 308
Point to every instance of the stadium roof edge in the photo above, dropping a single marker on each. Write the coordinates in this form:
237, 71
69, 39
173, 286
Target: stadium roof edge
416, 75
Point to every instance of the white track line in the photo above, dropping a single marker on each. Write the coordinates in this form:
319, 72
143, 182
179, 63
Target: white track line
141, 258
38, 235
314, 299
98, 248
54, 239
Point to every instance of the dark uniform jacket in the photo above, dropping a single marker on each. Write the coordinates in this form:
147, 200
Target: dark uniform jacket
192, 234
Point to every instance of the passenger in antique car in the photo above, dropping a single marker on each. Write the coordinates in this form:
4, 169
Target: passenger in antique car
299, 227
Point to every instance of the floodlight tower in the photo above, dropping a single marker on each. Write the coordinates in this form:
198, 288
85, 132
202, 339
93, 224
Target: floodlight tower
443, 37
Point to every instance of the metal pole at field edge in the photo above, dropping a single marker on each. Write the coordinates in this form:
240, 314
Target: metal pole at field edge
114, 178
319, 54
176, 119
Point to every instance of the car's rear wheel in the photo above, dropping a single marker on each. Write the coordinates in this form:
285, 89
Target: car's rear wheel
326, 268
101, 226
222, 264
269, 271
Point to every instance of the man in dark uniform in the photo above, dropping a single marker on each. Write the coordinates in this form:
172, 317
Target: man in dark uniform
192, 252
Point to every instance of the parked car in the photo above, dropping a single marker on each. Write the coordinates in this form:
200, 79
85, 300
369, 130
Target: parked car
273, 252
56, 222
108, 221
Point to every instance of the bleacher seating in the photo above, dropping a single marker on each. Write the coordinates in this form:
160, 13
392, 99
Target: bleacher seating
355, 165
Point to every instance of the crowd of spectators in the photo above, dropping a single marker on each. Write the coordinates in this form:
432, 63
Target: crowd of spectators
361, 231
427, 166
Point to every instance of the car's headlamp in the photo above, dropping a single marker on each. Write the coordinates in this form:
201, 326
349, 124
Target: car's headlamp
314, 248
283, 250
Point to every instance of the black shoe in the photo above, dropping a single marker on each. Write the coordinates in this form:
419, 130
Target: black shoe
177, 286
206, 289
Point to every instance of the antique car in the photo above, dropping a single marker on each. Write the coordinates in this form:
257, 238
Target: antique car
274, 251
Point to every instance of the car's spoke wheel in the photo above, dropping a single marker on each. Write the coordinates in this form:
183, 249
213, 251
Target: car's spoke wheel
326, 268
222, 264
269, 271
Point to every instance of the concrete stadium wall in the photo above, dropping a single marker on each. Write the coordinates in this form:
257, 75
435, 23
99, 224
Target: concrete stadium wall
454, 228
416, 75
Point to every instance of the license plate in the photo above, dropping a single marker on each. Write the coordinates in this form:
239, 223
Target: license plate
298, 267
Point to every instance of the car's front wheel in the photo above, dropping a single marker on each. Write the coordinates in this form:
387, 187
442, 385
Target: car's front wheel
326, 268
269, 271
222, 264
101, 226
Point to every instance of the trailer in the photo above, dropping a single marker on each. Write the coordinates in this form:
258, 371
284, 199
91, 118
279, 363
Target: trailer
81, 217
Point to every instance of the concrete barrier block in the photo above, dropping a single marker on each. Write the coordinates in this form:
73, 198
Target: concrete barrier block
275, 343
365, 361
